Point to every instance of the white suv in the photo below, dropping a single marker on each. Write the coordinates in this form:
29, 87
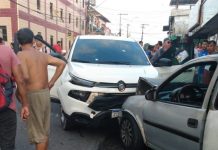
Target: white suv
101, 72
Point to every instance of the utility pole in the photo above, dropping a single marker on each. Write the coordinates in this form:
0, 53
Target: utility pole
120, 22
127, 31
88, 17
143, 26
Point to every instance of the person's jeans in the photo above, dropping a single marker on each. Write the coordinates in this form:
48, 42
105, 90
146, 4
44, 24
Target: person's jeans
8, 124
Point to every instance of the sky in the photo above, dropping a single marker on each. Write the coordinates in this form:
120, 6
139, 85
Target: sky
154, 14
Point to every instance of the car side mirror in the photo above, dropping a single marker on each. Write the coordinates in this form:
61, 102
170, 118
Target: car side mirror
150, 94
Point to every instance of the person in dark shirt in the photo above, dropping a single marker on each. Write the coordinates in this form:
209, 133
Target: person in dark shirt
165, 52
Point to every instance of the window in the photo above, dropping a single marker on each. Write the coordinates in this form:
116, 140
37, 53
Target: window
38, 4
51, 10
189, 86
83, 3
62, 43
51, 40
61, 15
77, 22
3, 33
69, 18
83, 25
68, 33
69, 44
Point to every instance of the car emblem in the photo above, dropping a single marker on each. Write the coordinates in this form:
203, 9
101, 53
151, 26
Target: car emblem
121, 86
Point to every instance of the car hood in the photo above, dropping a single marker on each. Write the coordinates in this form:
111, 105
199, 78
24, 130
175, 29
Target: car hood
164, 72
111, 73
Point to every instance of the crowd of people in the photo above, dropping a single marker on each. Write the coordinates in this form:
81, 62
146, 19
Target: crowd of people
205, 48
29, 69
160, 50
166, 50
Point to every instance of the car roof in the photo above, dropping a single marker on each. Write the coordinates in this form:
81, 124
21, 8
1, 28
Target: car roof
213, 57
105, 37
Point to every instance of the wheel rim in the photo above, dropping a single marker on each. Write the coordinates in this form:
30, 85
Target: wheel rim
126, 132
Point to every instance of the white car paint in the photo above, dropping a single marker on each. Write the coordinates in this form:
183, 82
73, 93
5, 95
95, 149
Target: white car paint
103, 73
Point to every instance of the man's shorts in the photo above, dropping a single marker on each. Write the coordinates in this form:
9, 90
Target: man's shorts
38, 123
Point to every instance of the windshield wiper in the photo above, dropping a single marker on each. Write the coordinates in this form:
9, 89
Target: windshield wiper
113, 62
82, 61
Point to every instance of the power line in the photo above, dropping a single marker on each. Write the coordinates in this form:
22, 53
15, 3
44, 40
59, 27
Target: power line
134, 11
100, 4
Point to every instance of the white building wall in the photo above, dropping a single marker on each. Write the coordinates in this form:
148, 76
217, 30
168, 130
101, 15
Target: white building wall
181, 21
209, 10
181, 25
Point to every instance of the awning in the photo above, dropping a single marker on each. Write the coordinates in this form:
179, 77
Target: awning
182, 2
209, 29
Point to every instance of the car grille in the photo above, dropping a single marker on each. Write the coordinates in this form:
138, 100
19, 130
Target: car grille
114, 85
108, 101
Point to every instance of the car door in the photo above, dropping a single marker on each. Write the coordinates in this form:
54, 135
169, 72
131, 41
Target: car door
176, 119
211, 126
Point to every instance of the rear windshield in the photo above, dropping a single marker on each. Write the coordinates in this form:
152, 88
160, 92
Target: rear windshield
104, 51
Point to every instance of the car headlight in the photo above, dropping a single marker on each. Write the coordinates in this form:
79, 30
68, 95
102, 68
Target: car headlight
79, 95
79, 81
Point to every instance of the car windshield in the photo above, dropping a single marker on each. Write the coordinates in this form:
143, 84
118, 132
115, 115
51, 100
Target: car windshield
104, 51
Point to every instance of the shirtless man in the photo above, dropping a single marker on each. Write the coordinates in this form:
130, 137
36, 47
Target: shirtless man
34, 65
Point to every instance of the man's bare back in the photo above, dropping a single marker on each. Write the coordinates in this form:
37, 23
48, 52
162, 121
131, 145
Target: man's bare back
34, 66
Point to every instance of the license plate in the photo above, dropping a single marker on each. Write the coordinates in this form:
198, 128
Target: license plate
116, 113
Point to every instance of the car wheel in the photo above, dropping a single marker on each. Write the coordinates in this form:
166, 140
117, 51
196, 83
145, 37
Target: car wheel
130, 133
65, 122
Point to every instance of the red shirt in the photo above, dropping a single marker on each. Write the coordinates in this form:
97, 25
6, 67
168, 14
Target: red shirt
8, 59
57, 48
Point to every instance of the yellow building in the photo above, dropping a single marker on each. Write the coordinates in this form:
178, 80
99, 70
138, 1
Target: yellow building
55, 20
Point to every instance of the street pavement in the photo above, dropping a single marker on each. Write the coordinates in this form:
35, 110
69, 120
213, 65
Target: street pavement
79, 138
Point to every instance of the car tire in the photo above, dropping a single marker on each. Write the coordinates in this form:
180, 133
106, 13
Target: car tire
65, 122
130, 134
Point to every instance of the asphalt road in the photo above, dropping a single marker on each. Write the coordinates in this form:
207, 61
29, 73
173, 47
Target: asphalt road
79, 138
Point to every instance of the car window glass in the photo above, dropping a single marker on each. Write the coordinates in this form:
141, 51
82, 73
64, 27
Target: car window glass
189, 86
104, 51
